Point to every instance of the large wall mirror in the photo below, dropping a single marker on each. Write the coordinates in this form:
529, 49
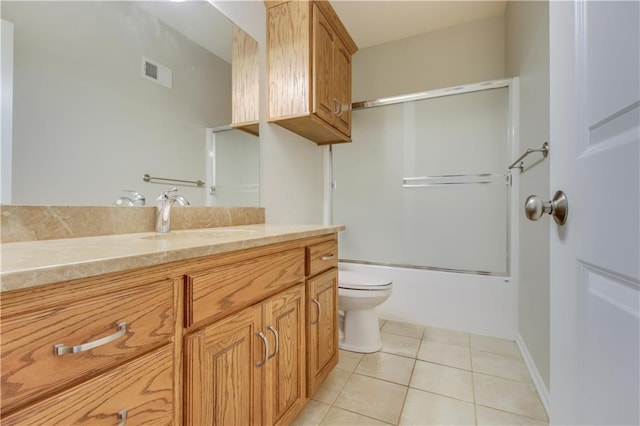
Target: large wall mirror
101, 93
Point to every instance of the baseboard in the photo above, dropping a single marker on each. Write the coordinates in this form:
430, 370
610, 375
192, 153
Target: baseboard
543, 392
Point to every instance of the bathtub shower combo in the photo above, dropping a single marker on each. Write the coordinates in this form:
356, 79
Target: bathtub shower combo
425, 194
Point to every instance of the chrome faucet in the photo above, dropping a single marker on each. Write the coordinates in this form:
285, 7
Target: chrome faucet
135, 199
164, 202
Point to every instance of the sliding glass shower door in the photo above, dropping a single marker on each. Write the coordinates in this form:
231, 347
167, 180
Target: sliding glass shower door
424, 184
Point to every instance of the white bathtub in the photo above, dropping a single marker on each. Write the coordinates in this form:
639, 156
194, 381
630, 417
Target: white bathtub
477, 304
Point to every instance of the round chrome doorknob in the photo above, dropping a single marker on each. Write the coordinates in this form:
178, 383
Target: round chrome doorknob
534, 207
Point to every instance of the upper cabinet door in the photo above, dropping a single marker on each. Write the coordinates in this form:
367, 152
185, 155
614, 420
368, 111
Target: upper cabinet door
341, 80
323, 47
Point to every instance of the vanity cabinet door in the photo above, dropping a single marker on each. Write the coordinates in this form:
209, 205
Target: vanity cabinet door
285, 379
224, 371
322, 327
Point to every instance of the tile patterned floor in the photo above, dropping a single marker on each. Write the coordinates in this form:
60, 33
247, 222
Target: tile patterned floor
428, 376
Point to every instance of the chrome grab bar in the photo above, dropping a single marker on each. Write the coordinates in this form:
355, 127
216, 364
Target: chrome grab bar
62, 349
148, 178
544, 150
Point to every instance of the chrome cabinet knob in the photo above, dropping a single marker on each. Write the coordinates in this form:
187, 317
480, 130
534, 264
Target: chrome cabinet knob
534, 207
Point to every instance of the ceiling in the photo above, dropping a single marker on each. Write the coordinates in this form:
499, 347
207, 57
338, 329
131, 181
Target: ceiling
373, 22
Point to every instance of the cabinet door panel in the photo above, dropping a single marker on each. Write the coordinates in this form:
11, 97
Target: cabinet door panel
342, 86
322, 323
223, 384
284, 318
323, 39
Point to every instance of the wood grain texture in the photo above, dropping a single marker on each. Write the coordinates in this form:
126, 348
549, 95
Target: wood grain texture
144, 387
322, 48
315, 254
245, 81
341, 80
223, 384
30, 369
216, 292
322, 337
288, 58
309, 70
286, 370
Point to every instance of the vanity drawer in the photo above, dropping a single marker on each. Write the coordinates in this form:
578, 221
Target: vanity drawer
37, 347
141, 390
322, 256
222, 290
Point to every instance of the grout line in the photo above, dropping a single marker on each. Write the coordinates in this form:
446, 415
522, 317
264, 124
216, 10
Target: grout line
473, 384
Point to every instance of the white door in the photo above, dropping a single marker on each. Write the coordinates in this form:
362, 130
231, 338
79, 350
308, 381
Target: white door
595, 257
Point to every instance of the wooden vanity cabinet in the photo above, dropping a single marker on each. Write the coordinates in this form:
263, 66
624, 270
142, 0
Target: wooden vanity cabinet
234, 338
309, 70
95, 351
249, 367
322, 312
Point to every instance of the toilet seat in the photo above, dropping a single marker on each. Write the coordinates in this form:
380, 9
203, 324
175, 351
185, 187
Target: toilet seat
355, 281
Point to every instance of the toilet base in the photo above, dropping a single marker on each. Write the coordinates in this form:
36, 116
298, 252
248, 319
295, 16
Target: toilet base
360, 331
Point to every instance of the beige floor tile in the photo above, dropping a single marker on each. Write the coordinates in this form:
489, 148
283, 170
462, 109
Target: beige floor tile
339, 417
443, 380
489, 417
494, 345
446, 354
425, 408
348, 360
504, 366
442, 335
389, 367
332, 386
312, 414
372, 398
399, 345
403, 329
508, 395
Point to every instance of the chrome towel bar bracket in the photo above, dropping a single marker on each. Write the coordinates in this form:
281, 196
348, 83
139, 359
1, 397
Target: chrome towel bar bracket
520, 164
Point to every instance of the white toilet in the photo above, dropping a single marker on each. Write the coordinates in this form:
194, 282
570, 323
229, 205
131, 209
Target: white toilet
358, 296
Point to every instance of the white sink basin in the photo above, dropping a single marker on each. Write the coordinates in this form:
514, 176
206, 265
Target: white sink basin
197, 234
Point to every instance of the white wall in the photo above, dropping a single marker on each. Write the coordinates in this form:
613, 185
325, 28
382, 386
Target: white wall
291, 167
6, 125
527, 56
466, 53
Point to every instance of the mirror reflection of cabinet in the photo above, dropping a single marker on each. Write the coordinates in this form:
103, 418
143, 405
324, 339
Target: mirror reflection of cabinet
244, 82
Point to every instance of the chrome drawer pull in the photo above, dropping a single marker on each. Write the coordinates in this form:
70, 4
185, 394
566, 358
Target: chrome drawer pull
122, 417
319, 311
328, 257
62, 349
266, 349
275, 333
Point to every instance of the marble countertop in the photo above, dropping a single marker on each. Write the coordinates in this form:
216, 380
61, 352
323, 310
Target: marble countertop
34, 263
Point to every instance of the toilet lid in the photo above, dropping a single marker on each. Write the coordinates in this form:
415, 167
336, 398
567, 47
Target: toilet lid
357, 281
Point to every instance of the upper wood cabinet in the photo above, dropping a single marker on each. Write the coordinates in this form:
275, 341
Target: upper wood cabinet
245, 85
309, 70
